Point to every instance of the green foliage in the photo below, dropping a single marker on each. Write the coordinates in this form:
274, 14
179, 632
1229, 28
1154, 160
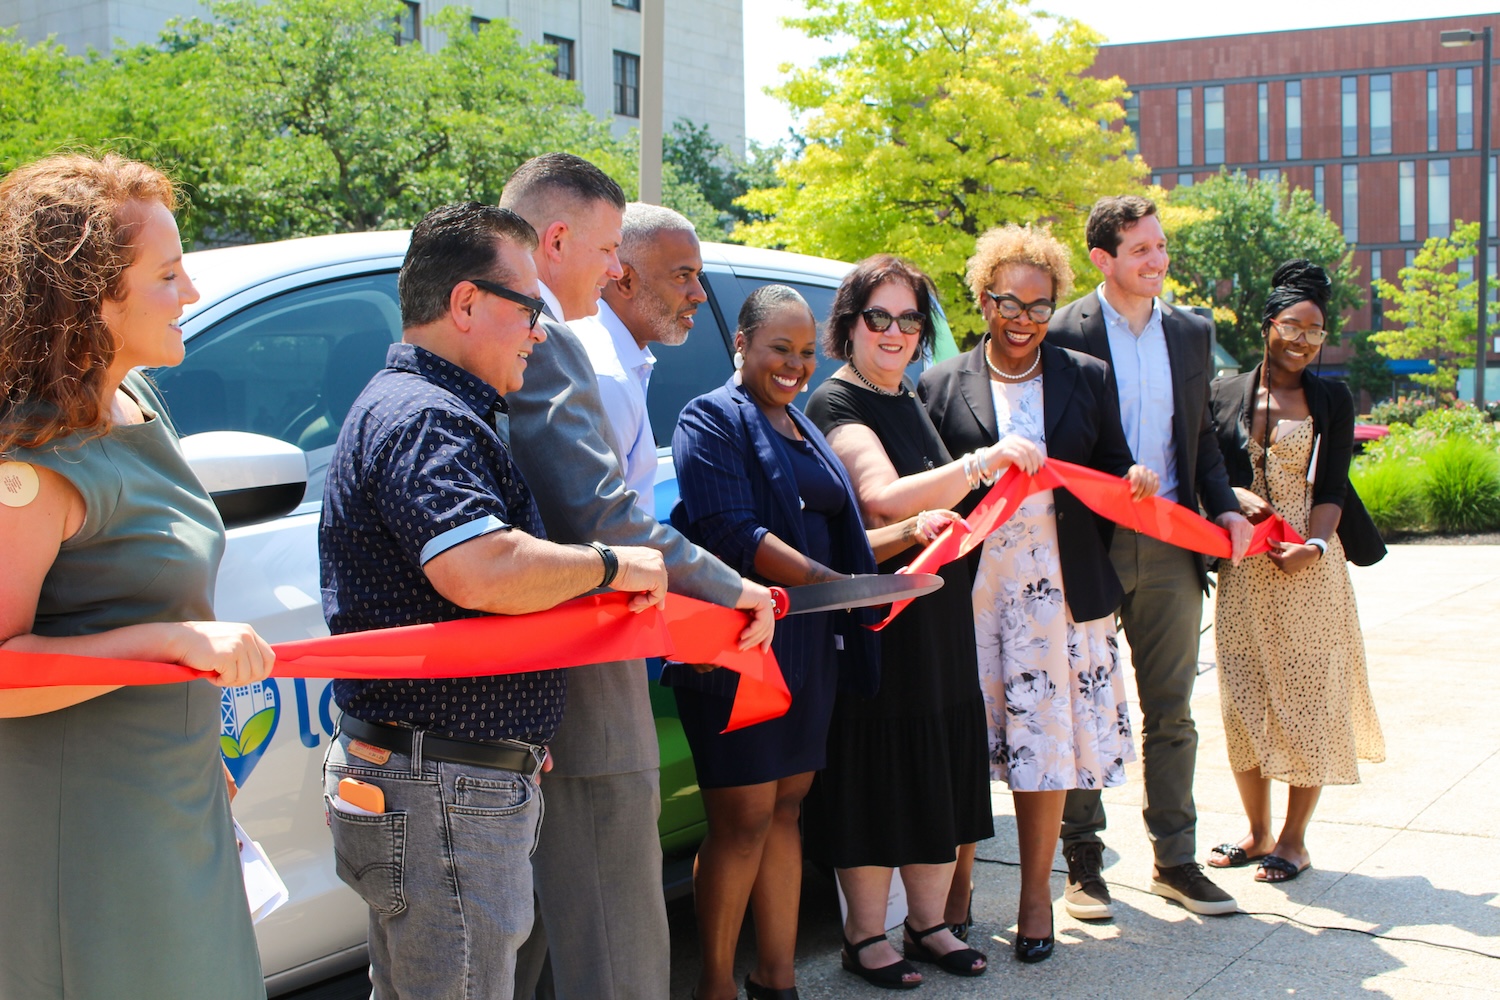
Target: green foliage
1242, 229
1463, 486
1392, 493
1367, 370
1402, 409
1435, 309
936, 121
300, 117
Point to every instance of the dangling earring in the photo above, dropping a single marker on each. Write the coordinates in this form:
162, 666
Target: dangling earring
739, 362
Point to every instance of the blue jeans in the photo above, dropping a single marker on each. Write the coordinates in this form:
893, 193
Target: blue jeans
446, 871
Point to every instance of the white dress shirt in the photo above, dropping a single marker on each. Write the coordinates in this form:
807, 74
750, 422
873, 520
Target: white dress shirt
624, 371
1143, 372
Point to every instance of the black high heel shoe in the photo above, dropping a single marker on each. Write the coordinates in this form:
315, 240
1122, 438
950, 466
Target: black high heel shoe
755, 991
961, 930
1031, 950
957, 963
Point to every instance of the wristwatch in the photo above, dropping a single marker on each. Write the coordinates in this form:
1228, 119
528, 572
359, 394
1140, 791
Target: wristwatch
1318, 544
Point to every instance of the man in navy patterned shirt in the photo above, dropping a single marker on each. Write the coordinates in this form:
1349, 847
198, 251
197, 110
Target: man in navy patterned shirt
425, 519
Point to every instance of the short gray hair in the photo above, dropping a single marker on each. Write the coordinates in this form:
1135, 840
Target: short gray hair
641, 224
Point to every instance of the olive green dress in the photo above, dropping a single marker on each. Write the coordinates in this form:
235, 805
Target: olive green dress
118, 866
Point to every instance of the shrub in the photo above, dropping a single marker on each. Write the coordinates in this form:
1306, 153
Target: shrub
1392, 492
1462, 486
1402, 410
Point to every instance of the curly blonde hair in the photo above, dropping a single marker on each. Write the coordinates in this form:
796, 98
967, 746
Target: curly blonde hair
1013, 244
67, 228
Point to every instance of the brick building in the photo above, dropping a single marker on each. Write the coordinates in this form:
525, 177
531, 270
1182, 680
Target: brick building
1378, 121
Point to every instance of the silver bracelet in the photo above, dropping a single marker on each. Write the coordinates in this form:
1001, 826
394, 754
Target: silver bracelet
985, 475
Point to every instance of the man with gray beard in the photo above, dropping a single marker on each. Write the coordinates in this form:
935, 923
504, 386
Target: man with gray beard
652, 302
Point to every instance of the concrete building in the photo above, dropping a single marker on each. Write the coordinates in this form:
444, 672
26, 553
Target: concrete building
598, 44
1379, 121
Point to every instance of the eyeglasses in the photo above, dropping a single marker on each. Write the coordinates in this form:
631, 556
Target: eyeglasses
879, 321
1011, 307
1314, 335
533, 306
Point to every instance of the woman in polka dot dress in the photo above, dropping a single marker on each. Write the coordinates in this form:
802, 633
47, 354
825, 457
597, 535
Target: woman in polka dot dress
1292, 683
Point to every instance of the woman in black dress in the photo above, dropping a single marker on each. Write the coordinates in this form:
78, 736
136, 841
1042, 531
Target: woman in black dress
761, 490
907, 782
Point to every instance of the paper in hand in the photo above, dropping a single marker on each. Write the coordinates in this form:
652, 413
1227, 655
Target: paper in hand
263, 887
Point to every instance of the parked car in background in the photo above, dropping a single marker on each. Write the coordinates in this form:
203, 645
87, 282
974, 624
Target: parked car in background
282, 340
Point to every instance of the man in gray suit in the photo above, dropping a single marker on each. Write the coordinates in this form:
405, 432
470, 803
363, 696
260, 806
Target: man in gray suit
1161, 360
597, 866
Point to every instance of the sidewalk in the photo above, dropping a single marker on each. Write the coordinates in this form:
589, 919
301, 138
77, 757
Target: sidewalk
1412, 852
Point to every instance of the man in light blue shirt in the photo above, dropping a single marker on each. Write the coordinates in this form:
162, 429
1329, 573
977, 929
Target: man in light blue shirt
1161, 361
652, 302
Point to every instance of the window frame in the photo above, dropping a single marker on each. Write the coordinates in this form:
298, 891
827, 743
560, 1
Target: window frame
1349, 115
1439, 197
1349, 202
411, 13
1293, 124
1380, 114
561, 46
1213, 136
627, 92
1184, 126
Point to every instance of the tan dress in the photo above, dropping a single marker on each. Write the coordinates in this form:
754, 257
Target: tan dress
1292, 683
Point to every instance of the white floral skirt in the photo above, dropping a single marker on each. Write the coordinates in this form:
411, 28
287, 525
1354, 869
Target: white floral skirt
1053, 690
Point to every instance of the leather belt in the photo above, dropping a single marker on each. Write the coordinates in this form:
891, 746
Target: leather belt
506, 755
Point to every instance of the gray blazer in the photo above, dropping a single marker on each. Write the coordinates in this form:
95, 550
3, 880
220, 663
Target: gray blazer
558, 439
1079, 326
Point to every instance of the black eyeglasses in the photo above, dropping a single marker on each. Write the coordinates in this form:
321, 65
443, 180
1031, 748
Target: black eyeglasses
1011, 307
533, 306
879, 321
1314, 335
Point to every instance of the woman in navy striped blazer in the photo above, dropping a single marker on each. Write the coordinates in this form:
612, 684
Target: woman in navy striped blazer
762, 491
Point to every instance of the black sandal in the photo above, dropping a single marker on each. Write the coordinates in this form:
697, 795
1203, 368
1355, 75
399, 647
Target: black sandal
957, 963
1235, 856
887, 977
755, 991
961, 930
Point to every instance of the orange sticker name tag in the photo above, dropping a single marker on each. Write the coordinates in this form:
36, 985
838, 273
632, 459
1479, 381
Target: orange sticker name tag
365, 751
18, 484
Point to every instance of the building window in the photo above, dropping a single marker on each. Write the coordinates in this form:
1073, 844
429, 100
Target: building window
1184, 180
1489, 277
1492, 198
1133, 122
1377, 307
1437, 197
1270, 175
476, 23
1432, 114
627, 4
1350, 117
1464, 106
1213, 124
1465, 271
1318, 193
1380, 114
1185, 126
1411, 258
1263, 118
409, 24
1294, 119
627, 85
562, 56
1351, 203
1406, 199
1156, 180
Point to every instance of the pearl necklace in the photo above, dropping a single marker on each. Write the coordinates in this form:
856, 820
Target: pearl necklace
903, 391
1014, 378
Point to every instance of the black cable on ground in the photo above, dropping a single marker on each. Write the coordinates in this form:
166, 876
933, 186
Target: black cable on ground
1279, 916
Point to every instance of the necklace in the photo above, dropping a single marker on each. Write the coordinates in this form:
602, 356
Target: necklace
903, 391
1014, 378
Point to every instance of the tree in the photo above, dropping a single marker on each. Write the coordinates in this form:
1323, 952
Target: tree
1434, 309
1226, 252
1367, 370
696, 160
935, 122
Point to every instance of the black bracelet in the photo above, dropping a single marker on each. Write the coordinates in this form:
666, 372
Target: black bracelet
611, 562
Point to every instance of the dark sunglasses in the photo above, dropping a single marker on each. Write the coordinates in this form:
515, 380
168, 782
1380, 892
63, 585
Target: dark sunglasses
1011, 307
533, 306
879, 321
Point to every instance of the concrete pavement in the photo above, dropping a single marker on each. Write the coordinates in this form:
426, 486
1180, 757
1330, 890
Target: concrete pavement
1411, 853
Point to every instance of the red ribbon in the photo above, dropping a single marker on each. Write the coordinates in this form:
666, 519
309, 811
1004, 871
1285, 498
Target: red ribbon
1105, 495
597, 629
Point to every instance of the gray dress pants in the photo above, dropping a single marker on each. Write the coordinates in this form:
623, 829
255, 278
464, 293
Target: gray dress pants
1162, 615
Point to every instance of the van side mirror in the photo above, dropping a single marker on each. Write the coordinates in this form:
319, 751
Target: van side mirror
251, 477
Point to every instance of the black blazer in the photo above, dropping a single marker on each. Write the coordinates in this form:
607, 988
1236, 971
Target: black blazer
735, 487
1332, 408
1081, 420
1201, 480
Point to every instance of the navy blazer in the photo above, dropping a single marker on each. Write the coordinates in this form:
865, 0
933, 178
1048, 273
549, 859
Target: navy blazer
1081, 421
735, 487
1079, 326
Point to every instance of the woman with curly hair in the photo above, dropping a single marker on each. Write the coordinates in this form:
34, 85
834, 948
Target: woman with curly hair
116, 835
1044, 592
